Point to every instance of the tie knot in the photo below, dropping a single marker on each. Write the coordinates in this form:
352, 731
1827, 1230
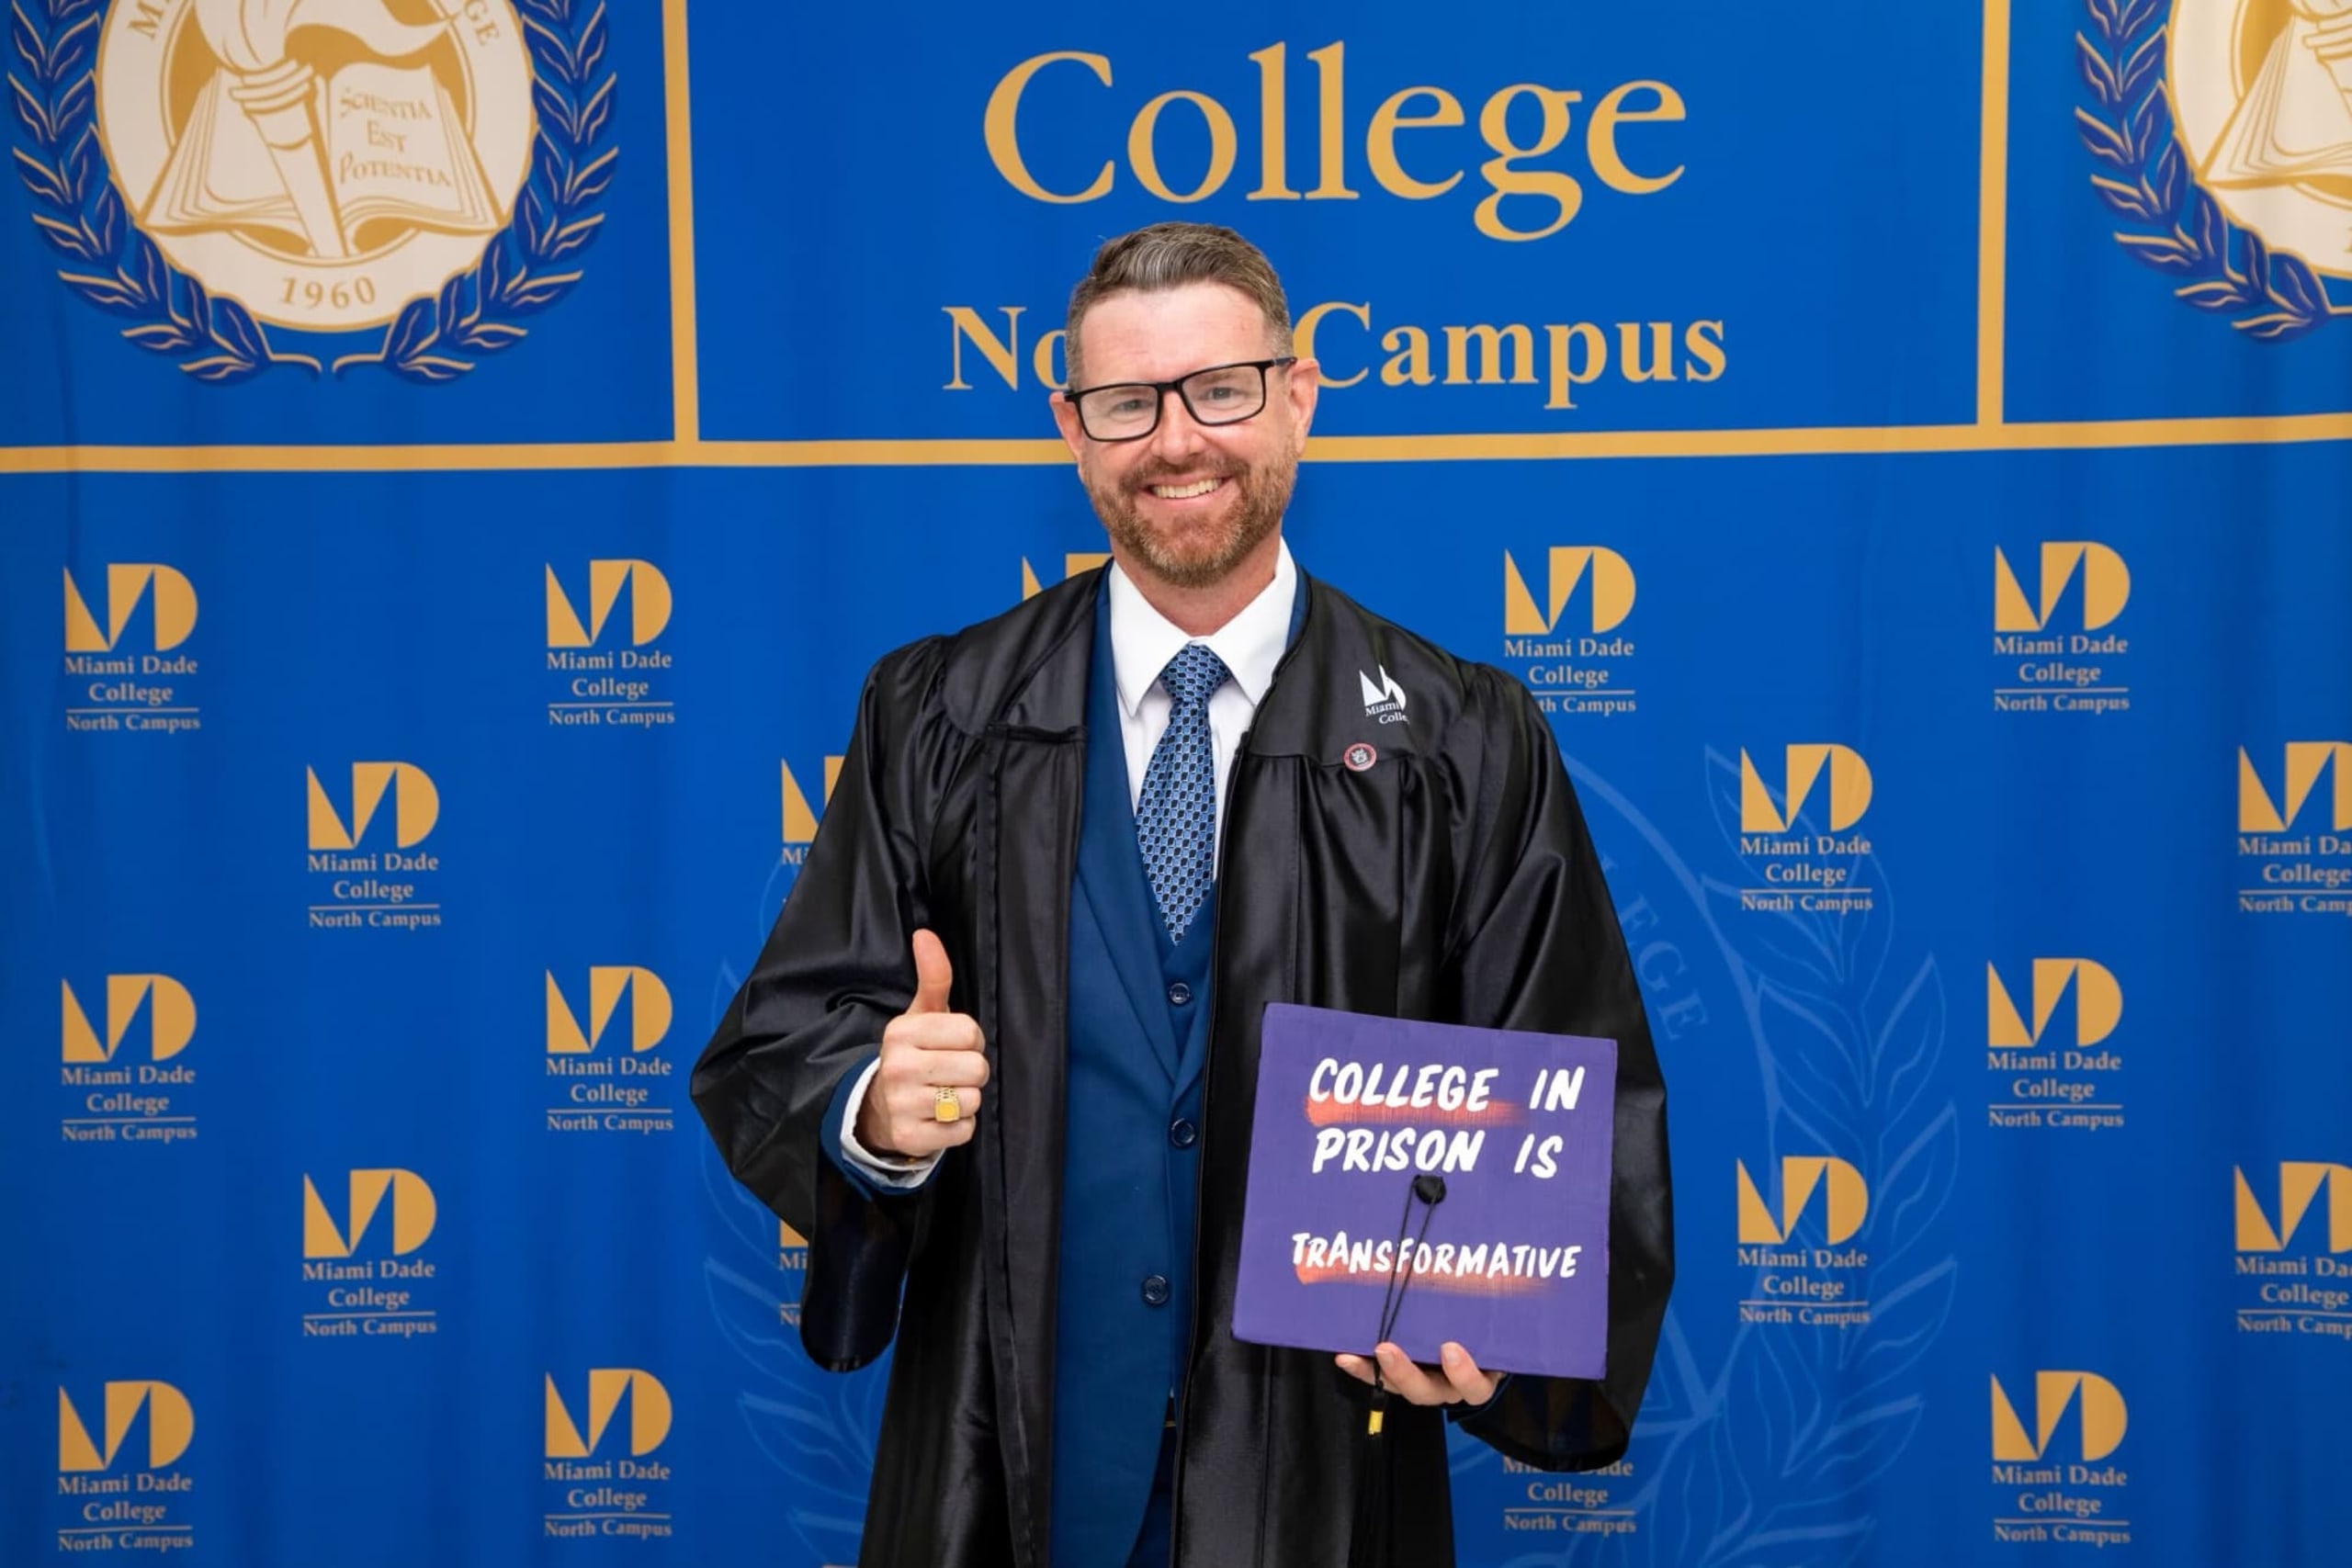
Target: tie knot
1195, 674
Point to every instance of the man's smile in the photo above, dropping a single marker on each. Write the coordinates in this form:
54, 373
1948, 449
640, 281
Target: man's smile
1186, 491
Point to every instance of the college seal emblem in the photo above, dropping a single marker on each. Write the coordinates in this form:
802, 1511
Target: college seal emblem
319, 183
2223, 132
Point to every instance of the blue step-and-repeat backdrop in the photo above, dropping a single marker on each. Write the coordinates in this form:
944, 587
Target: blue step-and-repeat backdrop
458, 458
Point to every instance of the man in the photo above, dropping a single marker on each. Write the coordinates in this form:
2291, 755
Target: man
1090, 839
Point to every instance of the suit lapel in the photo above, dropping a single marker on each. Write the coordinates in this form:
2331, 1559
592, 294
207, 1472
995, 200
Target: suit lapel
1110, 869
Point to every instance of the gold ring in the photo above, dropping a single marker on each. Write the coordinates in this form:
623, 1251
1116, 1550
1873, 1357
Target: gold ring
945, 1104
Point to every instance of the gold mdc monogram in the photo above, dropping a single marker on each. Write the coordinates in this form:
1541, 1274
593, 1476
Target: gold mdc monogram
324, 162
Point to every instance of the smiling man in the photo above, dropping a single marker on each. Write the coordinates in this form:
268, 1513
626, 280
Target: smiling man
997, 1061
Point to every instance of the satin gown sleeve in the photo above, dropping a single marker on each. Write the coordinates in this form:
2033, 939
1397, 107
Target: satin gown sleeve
1535, 945
836, 968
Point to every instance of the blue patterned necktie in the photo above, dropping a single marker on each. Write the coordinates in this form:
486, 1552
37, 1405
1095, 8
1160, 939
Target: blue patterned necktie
1176, 818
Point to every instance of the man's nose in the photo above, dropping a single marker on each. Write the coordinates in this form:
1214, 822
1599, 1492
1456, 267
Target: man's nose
1179, 436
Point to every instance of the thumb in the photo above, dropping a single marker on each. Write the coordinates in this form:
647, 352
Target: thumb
934, 974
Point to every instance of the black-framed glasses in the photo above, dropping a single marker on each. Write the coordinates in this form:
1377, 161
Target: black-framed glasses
1221, 394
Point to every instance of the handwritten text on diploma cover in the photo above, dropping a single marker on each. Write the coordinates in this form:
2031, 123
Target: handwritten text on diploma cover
1515, 1262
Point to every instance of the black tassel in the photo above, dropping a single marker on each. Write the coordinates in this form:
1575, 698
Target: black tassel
1369, 1541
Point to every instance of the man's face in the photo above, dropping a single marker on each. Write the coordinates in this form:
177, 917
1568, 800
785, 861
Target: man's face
1189, 503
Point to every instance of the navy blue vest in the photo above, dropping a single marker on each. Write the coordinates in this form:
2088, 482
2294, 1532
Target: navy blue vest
1139, 1036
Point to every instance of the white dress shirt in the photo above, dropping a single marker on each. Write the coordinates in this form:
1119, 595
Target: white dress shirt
1142, 642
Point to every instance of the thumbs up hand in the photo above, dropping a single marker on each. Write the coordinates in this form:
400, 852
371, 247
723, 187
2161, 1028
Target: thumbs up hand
925, 1050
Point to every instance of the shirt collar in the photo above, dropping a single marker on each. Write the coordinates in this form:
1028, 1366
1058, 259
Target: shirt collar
1143, 640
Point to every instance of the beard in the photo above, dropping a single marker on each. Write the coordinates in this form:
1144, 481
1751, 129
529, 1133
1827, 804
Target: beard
1197, 552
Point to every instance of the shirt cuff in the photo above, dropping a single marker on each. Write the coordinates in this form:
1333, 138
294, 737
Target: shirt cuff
1461, 1412
882, 1170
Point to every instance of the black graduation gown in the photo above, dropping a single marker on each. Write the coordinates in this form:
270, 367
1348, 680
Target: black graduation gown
1452, 880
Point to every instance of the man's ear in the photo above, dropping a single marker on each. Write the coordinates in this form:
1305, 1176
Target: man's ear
1066, 421
1304, 384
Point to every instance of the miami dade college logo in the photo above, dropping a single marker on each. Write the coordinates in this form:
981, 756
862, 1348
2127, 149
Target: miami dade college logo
121, 670
1802, 867
2291, 1270
2259, 811
598, 682
360, 863
250, 182
2099, 1004
413, 1208
166, 591
121, 1083
2052, 1071
649, 611
2107, 587
120, 1453
171, 1426
1569, 660
2095, 1403
2220, 135
2051, 1489
649, 1415
168, 1008
609, 1041
649, 1015
366, 1257
1847, 1200
2295, 841
1570, 567
800, 817
2044, 662
1798, 1281
585, 1464
1383, 700
2300, 1184
1849, 793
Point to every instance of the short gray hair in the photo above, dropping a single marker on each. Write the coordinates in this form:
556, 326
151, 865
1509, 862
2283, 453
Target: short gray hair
1170, 256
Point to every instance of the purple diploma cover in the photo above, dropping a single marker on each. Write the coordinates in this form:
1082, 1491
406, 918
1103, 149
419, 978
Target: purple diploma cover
1514, 1262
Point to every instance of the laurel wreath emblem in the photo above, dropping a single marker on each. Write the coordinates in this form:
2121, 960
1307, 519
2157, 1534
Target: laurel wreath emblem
2269, 294
527, 266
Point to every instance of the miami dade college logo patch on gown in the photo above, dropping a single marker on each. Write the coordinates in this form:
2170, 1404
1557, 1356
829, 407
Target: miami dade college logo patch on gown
319, 182
2223, 132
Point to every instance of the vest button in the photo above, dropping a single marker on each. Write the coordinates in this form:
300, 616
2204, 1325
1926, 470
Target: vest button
1179, 993
1154, 1289
1183, 1133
